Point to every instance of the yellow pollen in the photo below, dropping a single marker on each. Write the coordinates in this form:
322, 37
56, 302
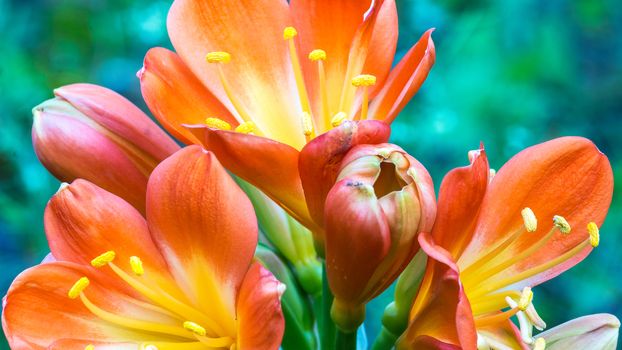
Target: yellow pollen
338, 119
289, 33
364, 80
218, 57
539, 344
592, 229
561, 224
149, 347
89, 347
216, 123
195, 328
317, 55
525, 299
307, 124
246, 127
137, 265
103, 259
78, 287
529, 218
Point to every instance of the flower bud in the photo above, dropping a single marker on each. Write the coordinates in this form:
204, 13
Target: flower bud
382, 199
93, 133
597, 332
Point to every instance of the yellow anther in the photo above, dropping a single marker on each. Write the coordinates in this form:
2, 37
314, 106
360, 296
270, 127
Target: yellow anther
218, 57
216, 123
529, 219
137, 265
364, 80
307, 124
289, 33
195, 328
338, 119
103, 259
561, 224
525, 299
317, 55
78, 287
539, 344
89, 347
246, 127
148, 347
592, 229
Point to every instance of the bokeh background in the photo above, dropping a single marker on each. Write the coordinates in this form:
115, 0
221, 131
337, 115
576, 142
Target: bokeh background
509, 73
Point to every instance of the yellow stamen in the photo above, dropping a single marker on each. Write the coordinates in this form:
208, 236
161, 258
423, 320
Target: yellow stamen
539, 344
218, 57
103, 259
137, 265
288, 34
492, 302
216, 123
317, 55
307, 126
530, 220
364, 81
592, 229
338, 119
495, 318
195, 328
526, 298
89, 347
246, 127
78, 287
561, 224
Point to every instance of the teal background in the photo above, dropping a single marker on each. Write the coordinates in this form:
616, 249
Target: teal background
508, 73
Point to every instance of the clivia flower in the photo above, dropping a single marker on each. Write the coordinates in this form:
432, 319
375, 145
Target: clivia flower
184, 278
498, 236
254, 81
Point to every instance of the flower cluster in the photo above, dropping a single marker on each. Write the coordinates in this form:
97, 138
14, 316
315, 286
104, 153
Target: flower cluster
288, 210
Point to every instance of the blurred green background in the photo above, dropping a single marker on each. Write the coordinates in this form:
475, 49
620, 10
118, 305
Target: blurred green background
508, 73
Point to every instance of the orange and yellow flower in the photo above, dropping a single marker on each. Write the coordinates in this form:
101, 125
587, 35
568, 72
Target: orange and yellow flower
256, 80
182, 279
498, 236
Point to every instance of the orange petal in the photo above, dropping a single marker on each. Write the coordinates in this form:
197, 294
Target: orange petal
404, 80
37, 311
260, 319
77, 344
259, 73
176, 96
269, 165
567, 176
321, 158
459, 200
441, 317
205, 227
332, 26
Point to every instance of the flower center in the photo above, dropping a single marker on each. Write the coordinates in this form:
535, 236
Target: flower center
190, 327
324, 119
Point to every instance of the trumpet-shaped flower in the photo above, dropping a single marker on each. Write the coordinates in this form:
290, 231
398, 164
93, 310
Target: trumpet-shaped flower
182, 279
497, 236
93, 133
259, 79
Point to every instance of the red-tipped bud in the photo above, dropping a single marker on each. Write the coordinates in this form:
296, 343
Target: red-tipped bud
382, 199
93, 133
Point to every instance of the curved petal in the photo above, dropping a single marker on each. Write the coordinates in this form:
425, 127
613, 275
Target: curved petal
505, 336
260, 319
320, 159
176, 96
441, 316
205, 227
269, 165
567, 176
260, 72
599, 331
38, 312
459, 200
332, 26
404, 80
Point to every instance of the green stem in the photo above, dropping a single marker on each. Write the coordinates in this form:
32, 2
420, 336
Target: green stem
328, 330
346, 341
385, 340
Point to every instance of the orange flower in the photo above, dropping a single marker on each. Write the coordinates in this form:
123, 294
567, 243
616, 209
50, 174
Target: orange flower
182, 279
496, 237
259, 79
